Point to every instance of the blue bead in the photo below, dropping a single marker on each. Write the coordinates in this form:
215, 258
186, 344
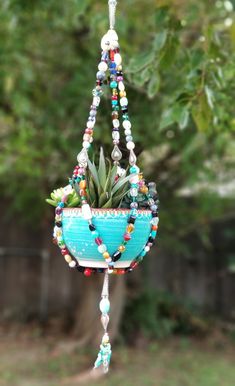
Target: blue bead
112, 65
104, 306
154, 234
133, 170
61, 204
114, 102
113, 84
95, 234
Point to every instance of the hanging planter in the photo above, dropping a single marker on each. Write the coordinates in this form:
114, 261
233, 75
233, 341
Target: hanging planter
106, 220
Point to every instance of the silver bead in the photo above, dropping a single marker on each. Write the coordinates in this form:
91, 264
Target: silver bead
116, 153
82, 157
132, 158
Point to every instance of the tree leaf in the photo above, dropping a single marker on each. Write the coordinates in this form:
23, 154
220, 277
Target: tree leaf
160, 40
141, 61
184, 118
202, 114
153, 86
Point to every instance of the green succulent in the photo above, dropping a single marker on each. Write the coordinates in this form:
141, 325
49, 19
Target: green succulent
106, 188
57, 194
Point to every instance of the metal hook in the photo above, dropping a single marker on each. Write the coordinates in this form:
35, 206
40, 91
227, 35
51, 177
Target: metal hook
112, 12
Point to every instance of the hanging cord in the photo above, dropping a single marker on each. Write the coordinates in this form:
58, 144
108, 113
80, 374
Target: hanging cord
112, 12
104, 355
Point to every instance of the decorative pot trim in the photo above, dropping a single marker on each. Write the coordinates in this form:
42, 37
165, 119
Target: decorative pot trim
96, 212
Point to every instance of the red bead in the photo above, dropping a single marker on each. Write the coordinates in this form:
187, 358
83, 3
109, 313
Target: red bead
114, 97
127, 236
89, 131
64, 251
133, 264
121, 271
88, 272
98, 241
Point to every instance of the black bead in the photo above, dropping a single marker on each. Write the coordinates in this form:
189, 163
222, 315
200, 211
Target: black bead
92, 227
131, 220
116, 256
80, 269
58, 224
125, 110
151, 239
100, 270
154, 214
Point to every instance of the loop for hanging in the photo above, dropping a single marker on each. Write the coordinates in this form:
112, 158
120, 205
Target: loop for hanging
112, 12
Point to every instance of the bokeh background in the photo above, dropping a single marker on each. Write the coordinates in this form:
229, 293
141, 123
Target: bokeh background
173, 319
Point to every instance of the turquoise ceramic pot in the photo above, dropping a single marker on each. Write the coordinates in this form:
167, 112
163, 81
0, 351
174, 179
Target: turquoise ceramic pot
111, 225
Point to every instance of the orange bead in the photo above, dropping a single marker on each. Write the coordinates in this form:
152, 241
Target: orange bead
144, 189
154, 228
82, 192
130, 228
82, 184
122, 94
122, 248
106, 255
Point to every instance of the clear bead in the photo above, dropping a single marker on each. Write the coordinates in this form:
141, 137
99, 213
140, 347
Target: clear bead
105, 321
82, 157
134, 192
116, 135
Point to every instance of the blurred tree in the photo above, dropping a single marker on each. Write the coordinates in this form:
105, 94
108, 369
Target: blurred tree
179, 59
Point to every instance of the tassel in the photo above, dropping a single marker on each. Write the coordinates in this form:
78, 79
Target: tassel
105, 353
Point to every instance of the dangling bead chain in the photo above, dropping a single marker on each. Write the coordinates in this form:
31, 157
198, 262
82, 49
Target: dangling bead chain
110, 59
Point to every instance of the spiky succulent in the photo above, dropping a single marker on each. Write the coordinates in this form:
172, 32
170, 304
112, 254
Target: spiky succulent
107, 184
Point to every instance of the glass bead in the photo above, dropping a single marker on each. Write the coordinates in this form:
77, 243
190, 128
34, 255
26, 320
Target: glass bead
127, 236
68, 258
124, 101
134, 205
117, 59
134, 169
113, 84
103, 66
90, 124
100, 75
87, 272
72, 264
102, 248
134, 192
121, 248
116, 135
82, 157
116, 123
126, 124
130, 145
104, 306
130, 228
116, 256
147, 249
127, 132
114, 102
134, 179
121, 86
98, 241
129, 138
106, 255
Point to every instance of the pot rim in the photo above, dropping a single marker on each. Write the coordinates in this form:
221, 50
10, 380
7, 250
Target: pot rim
107, 209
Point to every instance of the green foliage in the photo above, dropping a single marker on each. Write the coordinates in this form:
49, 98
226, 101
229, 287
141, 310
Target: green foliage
159, 315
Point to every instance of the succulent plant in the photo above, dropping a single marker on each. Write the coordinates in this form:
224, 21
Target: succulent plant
107, 184
57, 194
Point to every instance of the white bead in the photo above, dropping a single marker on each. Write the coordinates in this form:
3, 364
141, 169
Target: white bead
147, 248
126, 124
116, 123
121, 86
116, 135
124, 101
102, 248
117, 59
155, 221
134, 179
86, 212
108, 260
72, 264
130, 145
103, 66
90, 124
134, 192
85, 144
127, 132
96, 101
